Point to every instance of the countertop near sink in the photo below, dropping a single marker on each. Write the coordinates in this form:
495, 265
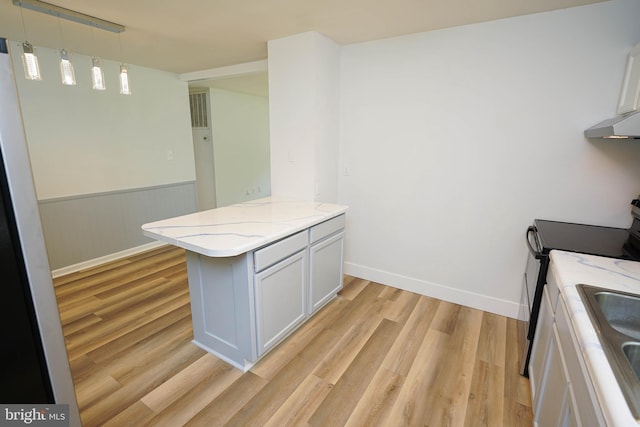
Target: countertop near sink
571, 269
240, 228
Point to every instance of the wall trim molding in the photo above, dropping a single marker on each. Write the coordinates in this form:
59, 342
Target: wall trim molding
87, 227
105, 259
446, 293
112, 192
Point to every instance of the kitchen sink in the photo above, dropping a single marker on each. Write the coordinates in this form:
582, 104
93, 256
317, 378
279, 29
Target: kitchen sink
622, 311
616, 318
632, 353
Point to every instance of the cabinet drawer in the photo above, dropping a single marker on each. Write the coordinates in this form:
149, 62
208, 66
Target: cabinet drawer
267, 256
326, 228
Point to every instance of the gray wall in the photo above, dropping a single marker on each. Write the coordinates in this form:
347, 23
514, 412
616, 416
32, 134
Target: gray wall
81, 228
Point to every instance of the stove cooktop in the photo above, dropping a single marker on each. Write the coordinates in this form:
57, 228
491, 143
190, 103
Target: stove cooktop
588, 239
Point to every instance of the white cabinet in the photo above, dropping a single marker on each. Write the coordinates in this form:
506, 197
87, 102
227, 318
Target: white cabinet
561, 392
280, 299
540, 349
556, 402
551, 393
325, 262
243, 306
586, 402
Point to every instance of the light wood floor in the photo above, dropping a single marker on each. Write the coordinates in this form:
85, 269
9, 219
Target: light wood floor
375, 355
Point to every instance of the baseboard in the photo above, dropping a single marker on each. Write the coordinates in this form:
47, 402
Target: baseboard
434, 290
104, 259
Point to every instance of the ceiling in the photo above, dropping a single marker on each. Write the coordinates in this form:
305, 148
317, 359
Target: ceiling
192, 35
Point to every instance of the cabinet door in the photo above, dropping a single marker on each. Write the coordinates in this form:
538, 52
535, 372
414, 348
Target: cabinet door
540, 348
326, 270
554, 403
279, 292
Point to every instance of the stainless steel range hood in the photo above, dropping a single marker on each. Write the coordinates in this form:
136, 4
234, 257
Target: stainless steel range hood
625, 126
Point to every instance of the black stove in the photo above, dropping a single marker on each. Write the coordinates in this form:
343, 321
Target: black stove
587, 239
543, 237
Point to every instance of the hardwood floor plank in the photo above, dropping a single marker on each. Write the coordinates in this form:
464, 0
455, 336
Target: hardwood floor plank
213, 381
117, 369
493, 335
336, 408
169, 391
145, 339
267, 401
352, 289
280, 356
399, 306
455, 365
297, 409
409, 407
155, 374
377, 401
374, 406
135, 415
404, 351
485, 408
373, 356
517, 395
346, 349
229, 403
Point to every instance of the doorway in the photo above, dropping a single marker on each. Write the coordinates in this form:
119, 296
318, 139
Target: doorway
231, 143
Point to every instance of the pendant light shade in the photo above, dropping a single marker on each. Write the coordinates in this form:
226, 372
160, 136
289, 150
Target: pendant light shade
97, 75
30, 62
124, 80
66, 69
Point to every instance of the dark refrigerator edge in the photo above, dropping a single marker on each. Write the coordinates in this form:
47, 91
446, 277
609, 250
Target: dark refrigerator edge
23, 242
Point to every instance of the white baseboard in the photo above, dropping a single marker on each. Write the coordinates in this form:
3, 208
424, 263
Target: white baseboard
441, 292
104, 259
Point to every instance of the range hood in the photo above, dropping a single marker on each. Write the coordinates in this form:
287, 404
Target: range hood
625, 126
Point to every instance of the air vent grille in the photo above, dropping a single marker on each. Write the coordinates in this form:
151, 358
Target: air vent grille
199, 114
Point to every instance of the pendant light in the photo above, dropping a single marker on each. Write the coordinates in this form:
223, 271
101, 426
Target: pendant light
66, 67
124, 80
97, 75
29, 57
124, 72
30, 62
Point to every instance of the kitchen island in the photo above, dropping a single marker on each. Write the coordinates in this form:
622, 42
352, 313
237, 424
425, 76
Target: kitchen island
257, 270
574, 378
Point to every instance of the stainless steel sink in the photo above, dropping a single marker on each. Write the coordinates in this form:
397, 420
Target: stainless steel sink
632, 353
616, 318
621, 311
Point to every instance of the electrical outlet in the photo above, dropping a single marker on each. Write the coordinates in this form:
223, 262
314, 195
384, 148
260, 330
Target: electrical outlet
169, 154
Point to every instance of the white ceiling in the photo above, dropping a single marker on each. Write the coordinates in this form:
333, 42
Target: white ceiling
192, 35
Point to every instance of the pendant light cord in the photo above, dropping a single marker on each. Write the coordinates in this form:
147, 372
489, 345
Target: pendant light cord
24, 27
61, 37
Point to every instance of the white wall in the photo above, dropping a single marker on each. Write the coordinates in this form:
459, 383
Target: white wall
240, 124
453, 141
304, 93
83, 141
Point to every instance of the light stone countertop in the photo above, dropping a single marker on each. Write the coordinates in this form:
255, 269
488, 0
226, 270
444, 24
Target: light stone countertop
240, 228
571, 269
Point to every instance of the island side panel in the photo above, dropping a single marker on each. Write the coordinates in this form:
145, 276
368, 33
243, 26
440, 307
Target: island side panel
221, 305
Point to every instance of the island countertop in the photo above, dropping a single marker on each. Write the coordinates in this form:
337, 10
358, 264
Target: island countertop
240, 228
